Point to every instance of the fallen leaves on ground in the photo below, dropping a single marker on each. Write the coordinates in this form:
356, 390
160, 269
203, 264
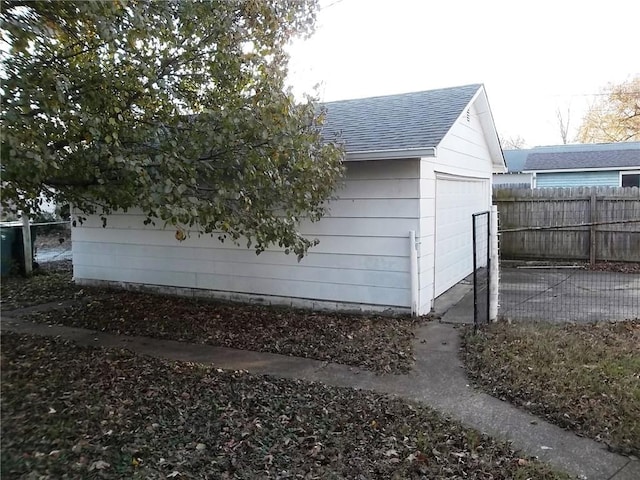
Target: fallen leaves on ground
620, 267
50, 283
70, 411
582, 377
376, 342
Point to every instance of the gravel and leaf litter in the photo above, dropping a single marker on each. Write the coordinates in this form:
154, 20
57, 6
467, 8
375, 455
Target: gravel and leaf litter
583, 377
620, 267
381, 343
51, 282
78, 412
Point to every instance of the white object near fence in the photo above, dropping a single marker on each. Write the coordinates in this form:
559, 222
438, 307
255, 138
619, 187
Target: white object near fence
26, 244
495, 268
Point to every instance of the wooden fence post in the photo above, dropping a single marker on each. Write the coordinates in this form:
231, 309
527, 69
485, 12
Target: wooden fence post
592, 234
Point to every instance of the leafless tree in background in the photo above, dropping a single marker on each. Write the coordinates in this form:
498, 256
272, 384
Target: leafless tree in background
563, 124
512, 143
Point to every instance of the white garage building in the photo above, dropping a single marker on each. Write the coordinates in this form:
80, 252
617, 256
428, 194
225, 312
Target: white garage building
418, 164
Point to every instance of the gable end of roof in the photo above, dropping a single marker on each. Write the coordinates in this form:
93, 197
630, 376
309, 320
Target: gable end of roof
414, 121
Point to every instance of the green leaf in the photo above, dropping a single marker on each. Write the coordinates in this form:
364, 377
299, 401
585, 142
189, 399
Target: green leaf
153, 106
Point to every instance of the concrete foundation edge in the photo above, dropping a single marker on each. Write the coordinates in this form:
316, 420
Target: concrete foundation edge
293, 302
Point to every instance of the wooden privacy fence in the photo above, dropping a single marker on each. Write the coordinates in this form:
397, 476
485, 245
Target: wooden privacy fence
584, 223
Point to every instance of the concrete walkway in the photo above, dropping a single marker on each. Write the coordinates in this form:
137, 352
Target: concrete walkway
437, 380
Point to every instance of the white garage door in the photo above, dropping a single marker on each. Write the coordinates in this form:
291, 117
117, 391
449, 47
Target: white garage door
457, 198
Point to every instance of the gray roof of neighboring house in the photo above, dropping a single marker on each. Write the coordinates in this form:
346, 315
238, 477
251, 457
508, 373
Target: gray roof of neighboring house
575, 157
397, 122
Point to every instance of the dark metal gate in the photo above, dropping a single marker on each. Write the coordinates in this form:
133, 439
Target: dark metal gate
481, 267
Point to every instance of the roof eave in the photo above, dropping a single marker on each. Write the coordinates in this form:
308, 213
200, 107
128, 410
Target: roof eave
578, 170
390, 154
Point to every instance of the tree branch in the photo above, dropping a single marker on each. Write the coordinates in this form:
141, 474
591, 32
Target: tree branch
70, 182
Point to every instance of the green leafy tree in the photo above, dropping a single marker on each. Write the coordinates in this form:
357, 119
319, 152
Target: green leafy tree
175, 107
615, 117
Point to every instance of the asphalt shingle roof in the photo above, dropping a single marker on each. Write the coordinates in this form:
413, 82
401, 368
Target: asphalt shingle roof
396, 122
577, 157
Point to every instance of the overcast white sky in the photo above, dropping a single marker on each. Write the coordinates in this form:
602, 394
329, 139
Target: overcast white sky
532, 56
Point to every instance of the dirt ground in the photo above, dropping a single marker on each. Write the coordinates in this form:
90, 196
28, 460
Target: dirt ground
53, 246
53, 239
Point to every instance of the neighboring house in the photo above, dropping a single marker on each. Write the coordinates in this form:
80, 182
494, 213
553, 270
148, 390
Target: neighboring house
585, 165
576, 165
514, 177
416, 162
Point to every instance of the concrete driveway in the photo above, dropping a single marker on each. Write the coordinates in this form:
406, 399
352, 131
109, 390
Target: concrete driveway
568, 295
552, 295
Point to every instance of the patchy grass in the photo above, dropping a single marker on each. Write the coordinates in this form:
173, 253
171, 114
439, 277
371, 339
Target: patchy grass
51, 282
582, 377
375, 342
70, 411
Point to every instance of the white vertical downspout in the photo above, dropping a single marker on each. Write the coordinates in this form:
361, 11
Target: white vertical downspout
413, 271
495, 268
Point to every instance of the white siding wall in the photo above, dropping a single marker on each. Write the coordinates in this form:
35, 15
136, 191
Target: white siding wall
506, 179
362, 258
463, 152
